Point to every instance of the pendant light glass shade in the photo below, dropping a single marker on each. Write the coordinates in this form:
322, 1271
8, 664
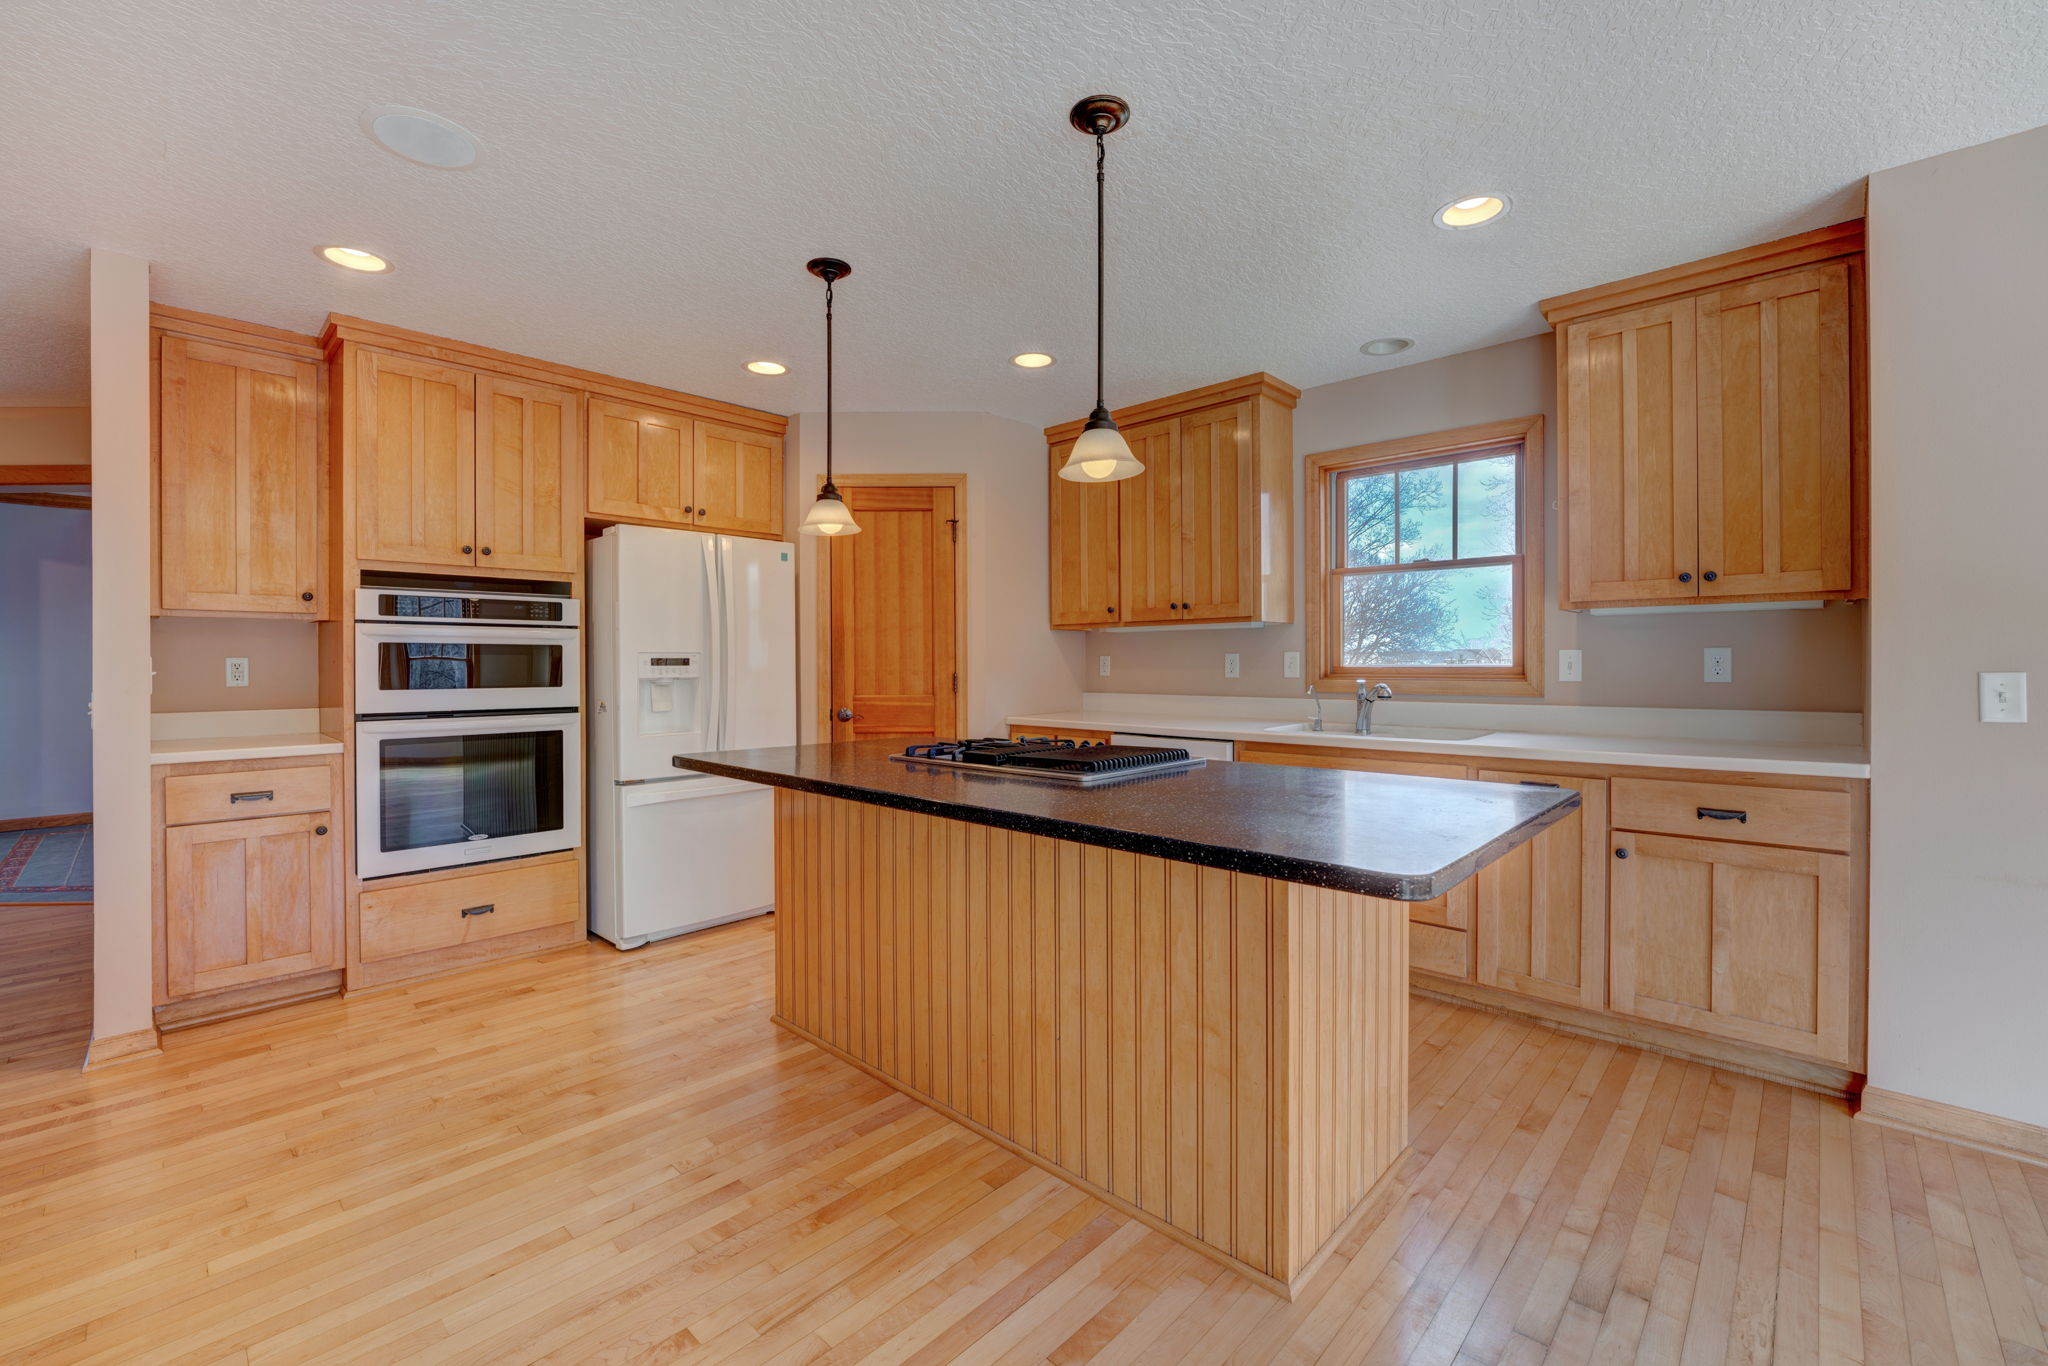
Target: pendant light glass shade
829, 515
1100, 455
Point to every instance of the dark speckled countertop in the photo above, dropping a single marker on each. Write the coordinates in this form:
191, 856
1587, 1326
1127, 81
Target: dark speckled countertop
1407, 839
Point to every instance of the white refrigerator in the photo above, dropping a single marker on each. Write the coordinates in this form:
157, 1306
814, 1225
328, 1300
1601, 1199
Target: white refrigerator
692, 641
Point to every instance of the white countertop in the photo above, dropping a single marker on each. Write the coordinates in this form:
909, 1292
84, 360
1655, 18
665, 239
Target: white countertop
208, 749
1727, 752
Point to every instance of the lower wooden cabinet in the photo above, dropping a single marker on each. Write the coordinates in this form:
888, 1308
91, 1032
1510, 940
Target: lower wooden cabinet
469, 906
1542, 910
1079, 737
246, 901
1759, 945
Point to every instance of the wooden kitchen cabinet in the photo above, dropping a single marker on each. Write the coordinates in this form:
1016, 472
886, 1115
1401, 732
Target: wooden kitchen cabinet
240, 472
1744, 942
1204, 534
246, 901
738, 477
414, 461
1710, 429
528, 513
1084, 548
1541, 915
642, 463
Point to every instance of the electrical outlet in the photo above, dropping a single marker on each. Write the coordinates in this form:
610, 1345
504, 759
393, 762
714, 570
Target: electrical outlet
238, 673
1102, 666
1720, 664
2001, 697
1290, 664
1570, 666
1230, 663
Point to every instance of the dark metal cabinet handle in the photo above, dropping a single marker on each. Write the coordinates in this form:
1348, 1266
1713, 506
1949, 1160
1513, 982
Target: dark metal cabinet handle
1110, 610
465, 550
487, 550
478, 910
1717, 813
250, 797
1621, 853
319, 829
1532, 782
305, 597
1685, 578
1710, 576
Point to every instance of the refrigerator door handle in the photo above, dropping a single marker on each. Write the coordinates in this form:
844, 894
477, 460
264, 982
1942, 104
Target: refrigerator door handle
721, 639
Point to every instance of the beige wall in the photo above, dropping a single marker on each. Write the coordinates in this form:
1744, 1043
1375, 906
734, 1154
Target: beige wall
191, 656
1959, 868
1794, 661
1015, 662
45, 436
121, 959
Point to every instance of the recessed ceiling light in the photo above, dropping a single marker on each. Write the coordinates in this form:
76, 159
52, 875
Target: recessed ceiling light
767, 367
421, 138
351, 258
1470, 213
1387, 346
1032, 360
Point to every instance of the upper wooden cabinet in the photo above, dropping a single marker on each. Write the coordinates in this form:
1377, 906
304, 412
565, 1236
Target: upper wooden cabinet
526, 498
1204, 534
414, 461
240, 469
1711, 429
653, 465
739, 480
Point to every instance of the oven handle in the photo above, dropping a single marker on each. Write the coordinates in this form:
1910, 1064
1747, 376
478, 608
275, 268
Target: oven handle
567, 721
465, 633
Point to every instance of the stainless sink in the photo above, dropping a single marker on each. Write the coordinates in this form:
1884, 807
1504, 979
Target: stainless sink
1341, 729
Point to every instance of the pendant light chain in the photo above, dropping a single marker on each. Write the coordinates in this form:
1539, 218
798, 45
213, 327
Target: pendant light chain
1101, 150
828, 380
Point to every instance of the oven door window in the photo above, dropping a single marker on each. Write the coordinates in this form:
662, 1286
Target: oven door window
458, 789
425, 666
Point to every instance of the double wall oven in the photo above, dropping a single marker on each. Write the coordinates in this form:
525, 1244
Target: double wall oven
468, 723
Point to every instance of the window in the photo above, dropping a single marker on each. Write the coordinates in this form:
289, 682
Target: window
1425, 561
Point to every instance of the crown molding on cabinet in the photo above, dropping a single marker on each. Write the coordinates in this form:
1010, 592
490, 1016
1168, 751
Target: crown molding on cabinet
184, 322
1256, 385
1787, 253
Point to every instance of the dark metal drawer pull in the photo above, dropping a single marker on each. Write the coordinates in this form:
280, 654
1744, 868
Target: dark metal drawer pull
1531, 782
250, 796
1716, 813
479, 910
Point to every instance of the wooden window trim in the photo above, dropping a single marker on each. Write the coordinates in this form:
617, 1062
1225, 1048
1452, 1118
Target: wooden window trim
1525, 677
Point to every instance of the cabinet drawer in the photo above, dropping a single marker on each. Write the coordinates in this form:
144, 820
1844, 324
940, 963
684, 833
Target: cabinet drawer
192, 798
436, 915
1445, 952
1729, 811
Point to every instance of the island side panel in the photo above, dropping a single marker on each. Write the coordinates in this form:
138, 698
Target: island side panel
1223, 1056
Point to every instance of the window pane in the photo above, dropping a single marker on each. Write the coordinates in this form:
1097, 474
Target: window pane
1426, 514
1486, 507
1368, 512
1455, 616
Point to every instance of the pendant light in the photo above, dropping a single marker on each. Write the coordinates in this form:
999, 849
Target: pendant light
829, 516
1101, 454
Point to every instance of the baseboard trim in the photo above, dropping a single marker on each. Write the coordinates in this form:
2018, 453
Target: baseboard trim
1953, 1124
119, 1048
1821, 1077
45, 822
227, 1005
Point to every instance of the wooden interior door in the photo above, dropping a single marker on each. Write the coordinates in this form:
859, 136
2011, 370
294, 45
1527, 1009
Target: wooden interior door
895, 667
528, 477
1742, 941
415, 466
238, 480
1775, 476
1542, 909
1083, 559
1219, 573
739, 480
247, 901
641, 463
1148, 516
1630, 456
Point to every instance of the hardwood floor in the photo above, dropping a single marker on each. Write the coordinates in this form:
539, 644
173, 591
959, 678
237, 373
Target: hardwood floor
603, 1157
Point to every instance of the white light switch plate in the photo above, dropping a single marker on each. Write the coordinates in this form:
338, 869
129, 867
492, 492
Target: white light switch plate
1720, 664
2001, 697
1570, 666
238, 673
1290, 664
1102, 665
1230, 666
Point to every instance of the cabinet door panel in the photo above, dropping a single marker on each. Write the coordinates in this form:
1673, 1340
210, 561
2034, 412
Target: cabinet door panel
1148, 511
1751, 944
1775, 441
528, 464
248, 901
415, 462
739, 480
1083, 561
1219, 575
641, 463
1631, 428
1542, 909
239, 480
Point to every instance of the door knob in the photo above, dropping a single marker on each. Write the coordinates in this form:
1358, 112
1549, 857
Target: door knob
846, 714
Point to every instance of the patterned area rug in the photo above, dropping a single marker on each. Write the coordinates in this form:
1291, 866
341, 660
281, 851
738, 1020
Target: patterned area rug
46, 865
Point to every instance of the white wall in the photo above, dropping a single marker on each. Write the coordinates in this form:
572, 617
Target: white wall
1015, 662
45, 660
1959, 864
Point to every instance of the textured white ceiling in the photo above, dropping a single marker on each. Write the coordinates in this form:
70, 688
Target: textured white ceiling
656, 173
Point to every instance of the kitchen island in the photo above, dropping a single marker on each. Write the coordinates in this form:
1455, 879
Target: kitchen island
1186, 993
